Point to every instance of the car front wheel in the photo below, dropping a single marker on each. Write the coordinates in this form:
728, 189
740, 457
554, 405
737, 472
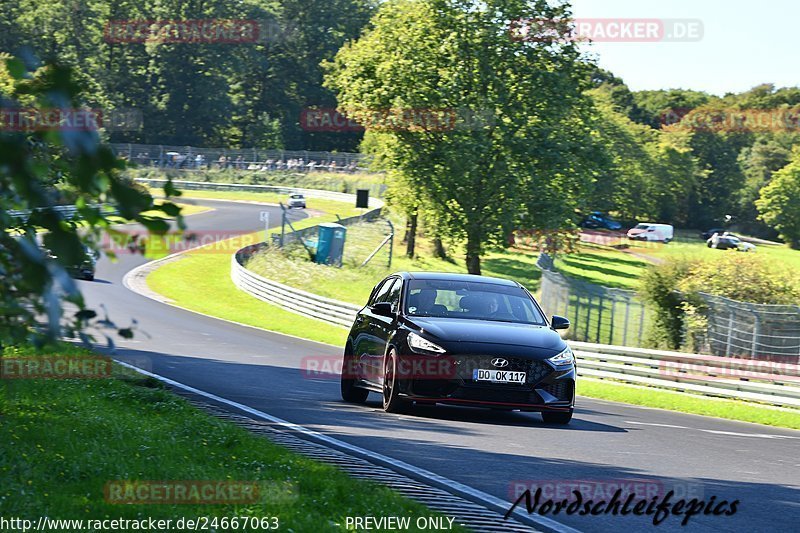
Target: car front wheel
392, 403
560, 418
350, 392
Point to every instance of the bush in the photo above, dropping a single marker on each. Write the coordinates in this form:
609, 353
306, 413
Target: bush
659, 290
673, 288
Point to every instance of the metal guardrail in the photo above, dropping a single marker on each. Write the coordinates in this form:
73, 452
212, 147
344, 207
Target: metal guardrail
65, 211
294, 300
755, 380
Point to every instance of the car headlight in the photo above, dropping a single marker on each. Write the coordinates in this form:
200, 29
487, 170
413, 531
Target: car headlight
564, 358
418, 344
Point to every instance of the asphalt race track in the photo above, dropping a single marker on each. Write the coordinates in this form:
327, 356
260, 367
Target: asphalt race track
488, 450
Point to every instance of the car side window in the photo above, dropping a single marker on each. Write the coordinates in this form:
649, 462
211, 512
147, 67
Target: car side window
393, 296
379, 294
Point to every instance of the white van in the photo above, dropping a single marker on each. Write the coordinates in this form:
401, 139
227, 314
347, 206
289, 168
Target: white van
652, 232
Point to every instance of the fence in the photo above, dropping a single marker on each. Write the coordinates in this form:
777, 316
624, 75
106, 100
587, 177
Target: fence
597, 314
756, 330
194, 158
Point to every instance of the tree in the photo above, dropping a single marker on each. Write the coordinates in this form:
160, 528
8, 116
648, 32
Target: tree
654, 107
39, 169
482, 124
758, 162
649, 173
779, 202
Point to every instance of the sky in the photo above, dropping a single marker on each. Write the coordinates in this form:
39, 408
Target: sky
743, 44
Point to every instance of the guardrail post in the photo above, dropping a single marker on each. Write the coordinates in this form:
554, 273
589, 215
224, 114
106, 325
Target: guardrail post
283, 223
730, 334
599, 317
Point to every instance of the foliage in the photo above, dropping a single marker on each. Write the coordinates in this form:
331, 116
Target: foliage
779, 203
653, 108
659, 290
759, 162
672, 289
37, 171
196, 93
650, 173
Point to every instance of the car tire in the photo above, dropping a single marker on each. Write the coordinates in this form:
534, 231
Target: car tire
90, 277
350, 392
392, 403
559, 418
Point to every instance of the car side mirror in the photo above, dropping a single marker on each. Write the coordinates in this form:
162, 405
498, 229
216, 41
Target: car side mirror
382, 309
559, 322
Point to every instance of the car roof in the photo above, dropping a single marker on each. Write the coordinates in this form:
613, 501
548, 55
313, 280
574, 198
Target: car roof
450, 276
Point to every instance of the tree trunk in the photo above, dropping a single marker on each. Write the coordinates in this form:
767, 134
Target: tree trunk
411, 235
438, 248
473, 253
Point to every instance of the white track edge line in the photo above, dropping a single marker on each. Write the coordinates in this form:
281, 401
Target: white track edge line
401, 465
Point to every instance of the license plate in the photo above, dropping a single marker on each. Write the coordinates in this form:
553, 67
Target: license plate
499, 376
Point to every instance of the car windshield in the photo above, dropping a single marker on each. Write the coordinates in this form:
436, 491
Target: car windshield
471, 300
296, 196
643, 226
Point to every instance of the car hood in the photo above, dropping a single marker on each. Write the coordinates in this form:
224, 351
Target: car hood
477, 332
635, 231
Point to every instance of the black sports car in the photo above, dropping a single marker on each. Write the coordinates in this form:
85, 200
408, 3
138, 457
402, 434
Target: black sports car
459, 339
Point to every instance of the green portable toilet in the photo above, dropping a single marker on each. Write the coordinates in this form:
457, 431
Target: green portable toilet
330, 245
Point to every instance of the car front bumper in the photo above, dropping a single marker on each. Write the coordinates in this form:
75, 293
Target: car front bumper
547, 388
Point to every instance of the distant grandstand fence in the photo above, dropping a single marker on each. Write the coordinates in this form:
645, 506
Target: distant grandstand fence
186, 158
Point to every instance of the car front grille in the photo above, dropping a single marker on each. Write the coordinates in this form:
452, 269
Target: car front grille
496, 395
536, 370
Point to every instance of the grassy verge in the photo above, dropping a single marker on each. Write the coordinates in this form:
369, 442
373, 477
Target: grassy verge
353, 283
688, 403
202, 282
63, 440
603, 266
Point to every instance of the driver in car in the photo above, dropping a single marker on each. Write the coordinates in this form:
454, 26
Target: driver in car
424, 303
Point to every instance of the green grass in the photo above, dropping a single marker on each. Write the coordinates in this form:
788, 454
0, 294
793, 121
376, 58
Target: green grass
202, 282
610, 267
696, 248
63, 440
603, 266
688, 403
353, 283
